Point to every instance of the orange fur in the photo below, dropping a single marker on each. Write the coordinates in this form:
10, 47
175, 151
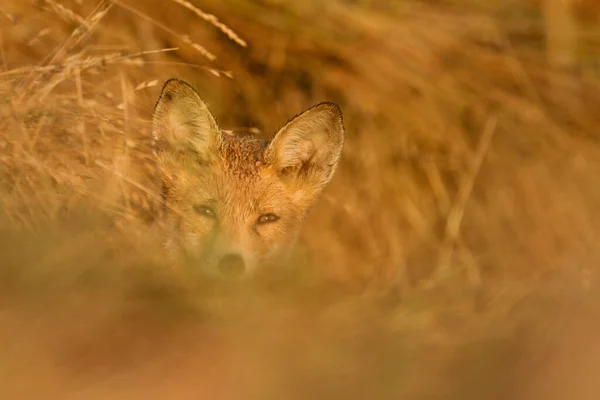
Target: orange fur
233, 204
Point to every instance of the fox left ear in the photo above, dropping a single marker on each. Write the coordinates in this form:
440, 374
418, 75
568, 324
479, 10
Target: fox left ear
181, 122
309, 145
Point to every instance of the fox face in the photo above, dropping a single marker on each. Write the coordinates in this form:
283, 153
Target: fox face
233, 204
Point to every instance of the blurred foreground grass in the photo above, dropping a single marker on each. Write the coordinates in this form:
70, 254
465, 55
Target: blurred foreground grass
455, 251
79, 321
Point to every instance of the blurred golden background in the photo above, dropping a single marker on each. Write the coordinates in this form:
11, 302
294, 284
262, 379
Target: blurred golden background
456, 245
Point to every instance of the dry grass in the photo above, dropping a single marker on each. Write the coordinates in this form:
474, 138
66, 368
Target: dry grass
458, 238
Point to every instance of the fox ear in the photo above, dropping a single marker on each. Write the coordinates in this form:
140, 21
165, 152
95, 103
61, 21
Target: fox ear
181, 122
309, 146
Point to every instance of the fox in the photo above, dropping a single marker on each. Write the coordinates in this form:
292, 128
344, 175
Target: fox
235, 204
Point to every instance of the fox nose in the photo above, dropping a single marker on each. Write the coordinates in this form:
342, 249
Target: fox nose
232, 265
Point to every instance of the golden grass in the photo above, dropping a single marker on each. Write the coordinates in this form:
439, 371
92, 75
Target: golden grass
457, 240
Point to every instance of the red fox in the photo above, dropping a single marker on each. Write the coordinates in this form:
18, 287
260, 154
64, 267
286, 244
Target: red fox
234, 203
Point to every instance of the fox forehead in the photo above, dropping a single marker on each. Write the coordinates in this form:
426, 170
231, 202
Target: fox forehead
245, 178
242, 157
239, 179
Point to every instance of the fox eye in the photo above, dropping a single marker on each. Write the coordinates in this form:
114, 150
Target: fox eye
267, 219
205, 211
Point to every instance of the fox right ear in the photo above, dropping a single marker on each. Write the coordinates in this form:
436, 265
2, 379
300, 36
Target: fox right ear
309, 146
181, 122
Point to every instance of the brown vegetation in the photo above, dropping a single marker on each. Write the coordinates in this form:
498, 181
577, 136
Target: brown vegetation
461, 222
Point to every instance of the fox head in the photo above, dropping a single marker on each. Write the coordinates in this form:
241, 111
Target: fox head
234, 203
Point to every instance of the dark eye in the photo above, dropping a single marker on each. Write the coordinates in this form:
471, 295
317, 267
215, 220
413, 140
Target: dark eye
267, 219
205, 211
